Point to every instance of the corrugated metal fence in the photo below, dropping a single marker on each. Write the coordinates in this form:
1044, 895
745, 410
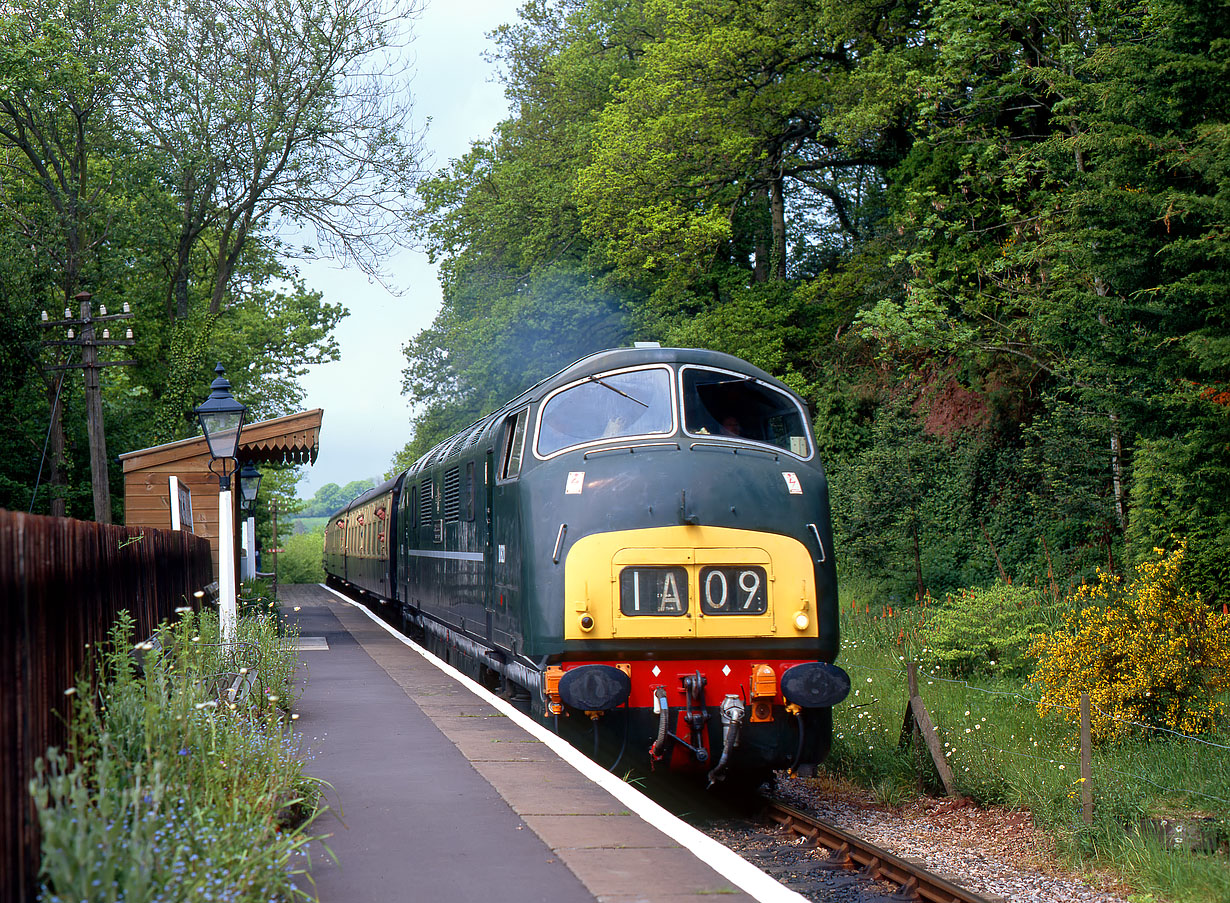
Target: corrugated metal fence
62, 582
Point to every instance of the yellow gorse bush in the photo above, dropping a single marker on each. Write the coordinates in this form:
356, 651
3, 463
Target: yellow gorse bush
1146, 652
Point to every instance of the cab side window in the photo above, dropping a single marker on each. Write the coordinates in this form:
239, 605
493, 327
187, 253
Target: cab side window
514, 444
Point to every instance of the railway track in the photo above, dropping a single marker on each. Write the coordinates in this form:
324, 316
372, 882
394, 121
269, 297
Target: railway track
914, 881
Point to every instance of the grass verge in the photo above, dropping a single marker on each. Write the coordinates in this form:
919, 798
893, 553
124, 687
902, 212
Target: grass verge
1003, 752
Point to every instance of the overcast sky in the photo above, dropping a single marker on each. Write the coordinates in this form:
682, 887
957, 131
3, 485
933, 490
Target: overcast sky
366, 418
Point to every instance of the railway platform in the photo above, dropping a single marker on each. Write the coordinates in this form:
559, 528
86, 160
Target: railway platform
436, 792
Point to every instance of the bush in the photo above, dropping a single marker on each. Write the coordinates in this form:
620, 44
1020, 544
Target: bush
1149, 652
300, 562
987, 631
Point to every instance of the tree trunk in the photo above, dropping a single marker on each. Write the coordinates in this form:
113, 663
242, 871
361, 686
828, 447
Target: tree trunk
777, 210
764, 242
1116, 471
918, 577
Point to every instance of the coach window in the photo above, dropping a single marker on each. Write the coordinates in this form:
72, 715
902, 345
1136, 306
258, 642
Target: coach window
620, 405
514, 444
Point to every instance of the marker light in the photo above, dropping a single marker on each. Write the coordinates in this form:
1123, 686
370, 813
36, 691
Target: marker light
801, 621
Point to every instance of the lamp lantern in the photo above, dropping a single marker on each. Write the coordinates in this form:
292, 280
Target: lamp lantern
221, 419
249, 485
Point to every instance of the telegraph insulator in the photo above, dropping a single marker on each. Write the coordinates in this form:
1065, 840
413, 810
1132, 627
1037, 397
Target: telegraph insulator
128, 334
70, 332
44, 316
102, 310
106, 333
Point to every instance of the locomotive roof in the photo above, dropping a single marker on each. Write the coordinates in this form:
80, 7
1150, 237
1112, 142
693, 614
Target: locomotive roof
598, 362
614, 358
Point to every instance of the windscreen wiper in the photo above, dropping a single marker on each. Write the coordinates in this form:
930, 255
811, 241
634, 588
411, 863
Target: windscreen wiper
606, 384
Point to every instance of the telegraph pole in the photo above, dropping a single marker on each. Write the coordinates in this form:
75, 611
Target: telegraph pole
89, 342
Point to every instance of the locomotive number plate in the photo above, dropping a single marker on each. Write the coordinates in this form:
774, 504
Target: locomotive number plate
653, 591
733, 591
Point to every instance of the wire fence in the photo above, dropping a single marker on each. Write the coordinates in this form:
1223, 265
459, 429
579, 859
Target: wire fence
62, 583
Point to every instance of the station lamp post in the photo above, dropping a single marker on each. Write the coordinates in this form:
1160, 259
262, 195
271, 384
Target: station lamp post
221, 419
249, 486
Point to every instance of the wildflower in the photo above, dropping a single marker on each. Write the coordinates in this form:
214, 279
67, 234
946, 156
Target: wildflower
184, 751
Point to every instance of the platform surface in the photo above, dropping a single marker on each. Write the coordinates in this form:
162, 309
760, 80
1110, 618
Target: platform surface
438, 796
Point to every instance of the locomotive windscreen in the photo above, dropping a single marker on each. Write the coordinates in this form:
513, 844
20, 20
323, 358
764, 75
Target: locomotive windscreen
726, 404
608, 406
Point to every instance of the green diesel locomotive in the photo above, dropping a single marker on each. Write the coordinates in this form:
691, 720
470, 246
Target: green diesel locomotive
646, 532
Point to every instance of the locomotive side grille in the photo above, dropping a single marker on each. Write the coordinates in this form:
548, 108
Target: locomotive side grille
425, 502
452, 494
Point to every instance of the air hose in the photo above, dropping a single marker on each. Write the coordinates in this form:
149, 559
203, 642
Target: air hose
732, 721
664, 714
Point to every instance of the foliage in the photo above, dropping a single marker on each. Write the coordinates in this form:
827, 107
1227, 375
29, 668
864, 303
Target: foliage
173, 792
153, 154
327, 145
986, 631
876, 202
1149, 652
330, 497
301, 558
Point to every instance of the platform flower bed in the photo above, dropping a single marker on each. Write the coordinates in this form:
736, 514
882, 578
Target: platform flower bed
183, 779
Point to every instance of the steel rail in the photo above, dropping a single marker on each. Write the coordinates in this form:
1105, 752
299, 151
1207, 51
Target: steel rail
914, 880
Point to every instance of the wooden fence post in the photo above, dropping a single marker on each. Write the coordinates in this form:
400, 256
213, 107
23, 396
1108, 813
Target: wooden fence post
918, 721
1086, 762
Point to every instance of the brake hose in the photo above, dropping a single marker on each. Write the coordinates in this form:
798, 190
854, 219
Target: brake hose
664, 714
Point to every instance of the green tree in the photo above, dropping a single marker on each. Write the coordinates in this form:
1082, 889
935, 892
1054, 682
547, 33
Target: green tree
1063, 211
522, 294
259, 114
737, 121
57, 67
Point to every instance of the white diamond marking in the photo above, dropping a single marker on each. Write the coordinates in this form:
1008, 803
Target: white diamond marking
726, 670
656, 670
